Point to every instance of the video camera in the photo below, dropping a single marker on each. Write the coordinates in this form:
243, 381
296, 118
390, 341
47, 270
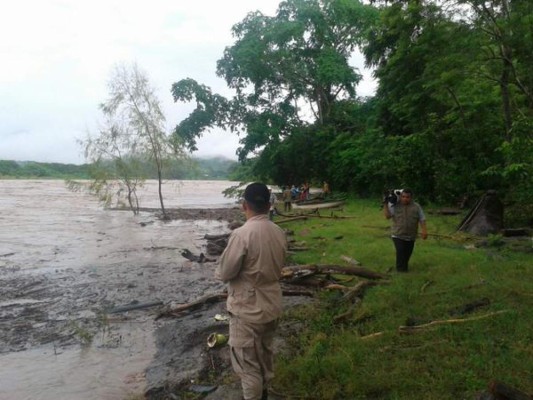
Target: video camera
392, 196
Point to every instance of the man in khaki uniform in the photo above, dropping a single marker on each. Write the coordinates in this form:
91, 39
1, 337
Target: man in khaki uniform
251, 265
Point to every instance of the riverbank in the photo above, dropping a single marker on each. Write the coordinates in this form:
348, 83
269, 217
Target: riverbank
70, 270
107, 309
64, 269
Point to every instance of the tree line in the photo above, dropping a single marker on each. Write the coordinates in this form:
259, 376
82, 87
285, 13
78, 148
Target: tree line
452, 114
214, 168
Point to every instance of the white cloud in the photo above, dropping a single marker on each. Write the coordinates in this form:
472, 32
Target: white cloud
57, 56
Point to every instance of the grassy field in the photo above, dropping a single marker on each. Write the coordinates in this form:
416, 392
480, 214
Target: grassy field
454, 359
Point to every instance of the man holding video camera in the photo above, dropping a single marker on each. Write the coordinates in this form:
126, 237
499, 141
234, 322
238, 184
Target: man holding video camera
406, 216
251, 265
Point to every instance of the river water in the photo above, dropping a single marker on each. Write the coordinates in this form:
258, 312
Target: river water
63, 258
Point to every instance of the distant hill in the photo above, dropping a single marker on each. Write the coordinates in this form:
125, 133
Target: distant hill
33, 169
213, 168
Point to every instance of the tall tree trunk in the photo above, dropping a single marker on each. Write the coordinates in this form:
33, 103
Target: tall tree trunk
160, 184
504, 87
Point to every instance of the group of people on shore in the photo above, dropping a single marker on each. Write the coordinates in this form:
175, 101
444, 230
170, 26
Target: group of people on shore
251, 265
290, 194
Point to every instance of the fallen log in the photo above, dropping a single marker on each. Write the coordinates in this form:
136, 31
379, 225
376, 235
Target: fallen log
516, 232
160, 248
192, 257
333, 216
177, 311
210, 298
348, 313
292, 292
282, 221
296, 248
335, 269
134, 306
358, 290
214, 249
336, 286
216, 237
469, 307
506, 392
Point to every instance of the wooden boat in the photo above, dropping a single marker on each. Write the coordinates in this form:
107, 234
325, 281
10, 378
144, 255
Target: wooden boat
311, 205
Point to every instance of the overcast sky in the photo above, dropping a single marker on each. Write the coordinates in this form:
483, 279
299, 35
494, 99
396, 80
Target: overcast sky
57, 56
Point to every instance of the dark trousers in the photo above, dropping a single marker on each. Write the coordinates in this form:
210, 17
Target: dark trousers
404, 249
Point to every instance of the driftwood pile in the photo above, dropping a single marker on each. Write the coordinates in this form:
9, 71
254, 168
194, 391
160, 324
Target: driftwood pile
501, 391
296, 280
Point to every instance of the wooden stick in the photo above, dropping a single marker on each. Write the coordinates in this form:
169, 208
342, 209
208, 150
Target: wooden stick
350, 260
210, 298
425, 285
348, 313
358, 290
336, 286
335, 269
372, 335
215, 298
282, 221
131, 307
416, 328
332, 216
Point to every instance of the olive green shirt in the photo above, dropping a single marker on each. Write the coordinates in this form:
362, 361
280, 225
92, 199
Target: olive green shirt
405, 220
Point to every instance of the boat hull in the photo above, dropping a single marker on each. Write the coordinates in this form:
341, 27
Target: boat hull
312, 206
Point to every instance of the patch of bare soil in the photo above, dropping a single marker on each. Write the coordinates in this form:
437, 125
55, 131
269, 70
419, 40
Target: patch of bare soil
185, 364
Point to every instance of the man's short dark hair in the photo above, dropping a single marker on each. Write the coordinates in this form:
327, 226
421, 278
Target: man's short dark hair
257, 196
408, 191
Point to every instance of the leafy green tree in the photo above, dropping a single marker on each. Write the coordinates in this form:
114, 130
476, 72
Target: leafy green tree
288, 72
114, 160
9, 168
431, 98
507, 29
290, 69
134, 130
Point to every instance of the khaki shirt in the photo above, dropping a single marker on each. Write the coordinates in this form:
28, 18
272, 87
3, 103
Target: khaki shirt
251, 265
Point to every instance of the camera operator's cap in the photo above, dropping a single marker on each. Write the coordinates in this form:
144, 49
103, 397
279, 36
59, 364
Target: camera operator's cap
257, 193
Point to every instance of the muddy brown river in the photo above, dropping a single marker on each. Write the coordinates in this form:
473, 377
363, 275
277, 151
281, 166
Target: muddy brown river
66, 262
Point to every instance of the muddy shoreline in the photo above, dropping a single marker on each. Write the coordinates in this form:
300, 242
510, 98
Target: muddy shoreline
60, 308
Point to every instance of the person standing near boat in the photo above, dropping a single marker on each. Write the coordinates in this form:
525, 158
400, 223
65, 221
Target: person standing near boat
406, 216
326, 191
251, 265
273, 200
287, 199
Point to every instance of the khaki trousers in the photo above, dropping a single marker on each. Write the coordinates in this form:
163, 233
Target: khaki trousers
252, 356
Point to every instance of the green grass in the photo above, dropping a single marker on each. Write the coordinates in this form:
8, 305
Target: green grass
330, 360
